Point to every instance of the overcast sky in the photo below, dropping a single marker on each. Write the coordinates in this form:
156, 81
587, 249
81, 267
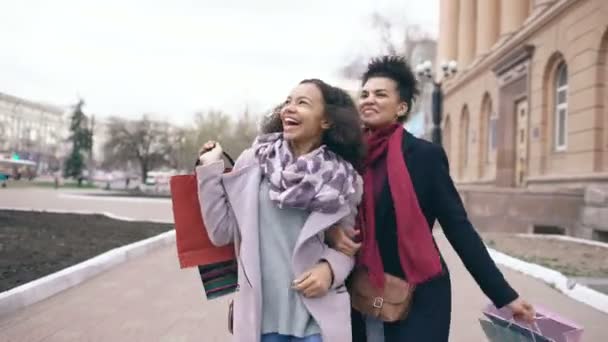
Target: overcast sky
173, 58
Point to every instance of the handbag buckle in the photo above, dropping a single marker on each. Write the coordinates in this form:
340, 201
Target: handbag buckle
378, 301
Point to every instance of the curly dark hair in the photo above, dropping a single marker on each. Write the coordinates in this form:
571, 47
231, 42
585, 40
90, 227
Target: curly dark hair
397, 69
345, 134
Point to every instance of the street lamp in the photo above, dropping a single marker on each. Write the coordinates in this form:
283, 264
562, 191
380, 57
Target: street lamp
425, 70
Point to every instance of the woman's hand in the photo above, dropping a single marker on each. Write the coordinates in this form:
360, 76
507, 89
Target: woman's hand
316, 281
211, 151
342, 240
522, 310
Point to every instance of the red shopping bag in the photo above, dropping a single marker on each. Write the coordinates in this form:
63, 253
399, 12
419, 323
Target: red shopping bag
193, 245
217, 266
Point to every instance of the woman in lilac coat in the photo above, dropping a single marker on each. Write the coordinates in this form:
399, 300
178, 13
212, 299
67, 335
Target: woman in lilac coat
298, 179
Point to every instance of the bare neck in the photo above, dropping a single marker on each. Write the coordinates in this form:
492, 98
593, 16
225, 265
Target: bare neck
301, 148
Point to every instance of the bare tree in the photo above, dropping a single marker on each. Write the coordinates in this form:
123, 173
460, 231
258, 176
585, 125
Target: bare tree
384, 28
183, 143
242, 134
180, 148
234, 135
212, 125
390, 44
153, 144
142, 140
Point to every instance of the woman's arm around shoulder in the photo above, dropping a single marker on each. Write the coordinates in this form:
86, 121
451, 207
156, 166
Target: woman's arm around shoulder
340, 263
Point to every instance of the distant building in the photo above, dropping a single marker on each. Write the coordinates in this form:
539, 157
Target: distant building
34, 131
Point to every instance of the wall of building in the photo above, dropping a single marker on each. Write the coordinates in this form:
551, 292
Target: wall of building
575, 36
564, 186
36, 131
480, 166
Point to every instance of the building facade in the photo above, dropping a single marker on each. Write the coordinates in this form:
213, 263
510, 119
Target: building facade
525, 122
34, 131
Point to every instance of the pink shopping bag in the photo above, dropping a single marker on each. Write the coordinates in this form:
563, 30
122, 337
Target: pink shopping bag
551, 326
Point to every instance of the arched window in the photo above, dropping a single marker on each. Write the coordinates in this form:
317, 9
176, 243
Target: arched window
492, 134
447, 136
464, 141
561, 107
489, 129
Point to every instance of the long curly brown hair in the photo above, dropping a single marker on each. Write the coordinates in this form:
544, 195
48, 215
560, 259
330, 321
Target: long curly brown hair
345, 134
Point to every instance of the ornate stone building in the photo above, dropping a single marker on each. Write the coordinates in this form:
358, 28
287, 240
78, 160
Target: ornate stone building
35, 131
525, 120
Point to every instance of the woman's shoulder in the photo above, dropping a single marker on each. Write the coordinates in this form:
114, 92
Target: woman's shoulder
424, 149
247, 157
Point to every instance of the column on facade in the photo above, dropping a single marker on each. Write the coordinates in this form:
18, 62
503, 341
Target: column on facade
448, 30
488, 25
513, 13
466, 32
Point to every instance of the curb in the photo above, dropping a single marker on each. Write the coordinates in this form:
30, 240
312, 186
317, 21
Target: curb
580, 293
565, 238
86, 212
47, 286
114, 199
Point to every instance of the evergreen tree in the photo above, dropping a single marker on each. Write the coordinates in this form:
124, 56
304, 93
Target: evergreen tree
82, 141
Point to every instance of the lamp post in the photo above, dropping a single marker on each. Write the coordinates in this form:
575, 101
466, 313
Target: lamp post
425, 71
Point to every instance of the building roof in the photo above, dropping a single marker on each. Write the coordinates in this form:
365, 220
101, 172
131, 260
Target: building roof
36, 105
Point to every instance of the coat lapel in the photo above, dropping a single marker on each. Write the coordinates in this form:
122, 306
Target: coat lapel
318, 222
242, 187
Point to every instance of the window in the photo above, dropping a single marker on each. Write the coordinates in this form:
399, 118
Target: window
492, 131
465, 130
447, 136
561, 107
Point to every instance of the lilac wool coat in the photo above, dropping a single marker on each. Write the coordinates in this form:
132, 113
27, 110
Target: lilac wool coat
229, 204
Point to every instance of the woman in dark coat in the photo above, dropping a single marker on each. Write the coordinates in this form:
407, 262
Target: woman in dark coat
408, 187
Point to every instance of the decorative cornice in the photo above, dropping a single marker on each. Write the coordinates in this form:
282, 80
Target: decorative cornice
505, 45
510, 60
34, 105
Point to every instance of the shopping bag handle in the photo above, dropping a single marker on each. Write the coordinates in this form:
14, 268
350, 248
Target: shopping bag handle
532, 326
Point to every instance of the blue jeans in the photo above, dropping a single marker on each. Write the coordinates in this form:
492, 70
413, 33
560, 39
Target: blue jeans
285, 338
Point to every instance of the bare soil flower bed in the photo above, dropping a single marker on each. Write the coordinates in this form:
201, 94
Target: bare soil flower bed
573, 259
35, 244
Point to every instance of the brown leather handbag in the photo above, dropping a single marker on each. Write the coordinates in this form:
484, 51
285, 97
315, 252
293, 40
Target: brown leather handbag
391, 304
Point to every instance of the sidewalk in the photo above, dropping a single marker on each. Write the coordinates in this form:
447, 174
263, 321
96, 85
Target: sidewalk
151, 299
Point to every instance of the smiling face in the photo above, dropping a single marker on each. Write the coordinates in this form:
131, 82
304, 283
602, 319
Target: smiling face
379, 103
303, 115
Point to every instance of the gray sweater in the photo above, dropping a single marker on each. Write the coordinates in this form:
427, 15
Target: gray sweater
283, 310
